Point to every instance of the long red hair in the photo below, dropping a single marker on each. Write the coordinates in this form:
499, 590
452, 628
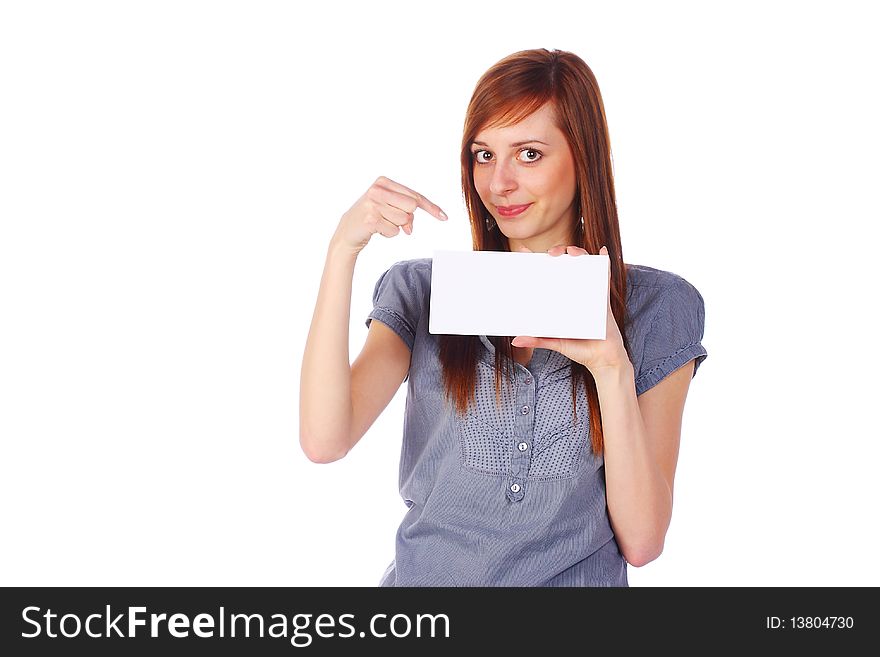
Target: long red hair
508, 92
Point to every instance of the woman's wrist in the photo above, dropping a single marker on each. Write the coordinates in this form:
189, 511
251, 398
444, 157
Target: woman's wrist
337, 249
614, 373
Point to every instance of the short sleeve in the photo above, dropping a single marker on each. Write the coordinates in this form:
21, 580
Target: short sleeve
675, 336
398, 299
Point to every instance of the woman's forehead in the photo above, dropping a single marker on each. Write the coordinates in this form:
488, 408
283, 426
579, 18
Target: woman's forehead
539, 125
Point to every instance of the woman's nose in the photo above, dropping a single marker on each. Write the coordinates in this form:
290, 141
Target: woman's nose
503, 179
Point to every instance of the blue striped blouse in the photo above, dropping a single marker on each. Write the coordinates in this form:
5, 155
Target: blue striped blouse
512, 495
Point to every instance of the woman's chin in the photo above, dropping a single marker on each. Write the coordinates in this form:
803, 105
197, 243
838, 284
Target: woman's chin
516, 232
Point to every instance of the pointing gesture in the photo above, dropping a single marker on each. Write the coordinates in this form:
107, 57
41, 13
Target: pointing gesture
386, 208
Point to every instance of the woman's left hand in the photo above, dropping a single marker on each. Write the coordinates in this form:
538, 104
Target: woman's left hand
595, 355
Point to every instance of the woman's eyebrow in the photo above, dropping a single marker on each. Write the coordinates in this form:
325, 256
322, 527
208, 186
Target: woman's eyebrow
514, 145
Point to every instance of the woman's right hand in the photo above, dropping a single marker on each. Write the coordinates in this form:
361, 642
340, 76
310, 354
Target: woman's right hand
385, 208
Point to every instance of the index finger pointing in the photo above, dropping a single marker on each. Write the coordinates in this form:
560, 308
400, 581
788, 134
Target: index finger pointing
430, 207
421, 201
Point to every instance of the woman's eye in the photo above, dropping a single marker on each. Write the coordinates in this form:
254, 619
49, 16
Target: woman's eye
527, 155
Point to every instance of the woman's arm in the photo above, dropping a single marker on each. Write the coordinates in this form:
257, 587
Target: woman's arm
641, 438
339, 401
325, 380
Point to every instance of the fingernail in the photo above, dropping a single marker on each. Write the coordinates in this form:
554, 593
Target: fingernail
443, 214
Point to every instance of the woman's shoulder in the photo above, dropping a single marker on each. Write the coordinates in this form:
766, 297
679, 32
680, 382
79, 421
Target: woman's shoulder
648, 288
404, 278
644, 276
665, 323
414, 265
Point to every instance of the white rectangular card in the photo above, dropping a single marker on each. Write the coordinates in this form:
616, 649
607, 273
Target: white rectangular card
529, 294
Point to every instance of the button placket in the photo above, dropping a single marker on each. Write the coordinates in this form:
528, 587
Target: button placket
524, 425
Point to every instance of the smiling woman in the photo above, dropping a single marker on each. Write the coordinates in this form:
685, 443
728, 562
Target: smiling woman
527, 184
526, 461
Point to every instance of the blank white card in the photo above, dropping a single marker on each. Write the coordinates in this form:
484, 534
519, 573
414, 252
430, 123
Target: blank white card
529, 294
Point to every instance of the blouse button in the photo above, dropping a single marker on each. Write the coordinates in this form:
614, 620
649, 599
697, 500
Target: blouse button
515, 488
528, 381
523, 446
524, 410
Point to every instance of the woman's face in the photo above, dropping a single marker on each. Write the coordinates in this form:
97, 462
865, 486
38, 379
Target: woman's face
528, 163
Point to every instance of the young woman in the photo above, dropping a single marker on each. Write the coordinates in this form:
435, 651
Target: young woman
525, 461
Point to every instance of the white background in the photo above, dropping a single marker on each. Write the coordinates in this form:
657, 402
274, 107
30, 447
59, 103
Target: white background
171, 172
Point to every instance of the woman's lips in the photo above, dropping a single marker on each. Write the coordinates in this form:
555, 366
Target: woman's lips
511, 210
